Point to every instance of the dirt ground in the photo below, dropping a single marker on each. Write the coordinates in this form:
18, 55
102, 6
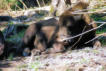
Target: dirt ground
87, 59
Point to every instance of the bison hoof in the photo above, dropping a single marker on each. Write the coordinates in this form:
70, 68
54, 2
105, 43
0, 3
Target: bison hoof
35, 52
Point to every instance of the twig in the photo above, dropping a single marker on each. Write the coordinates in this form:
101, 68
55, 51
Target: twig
23, 4
38, 3
44, 2
103, 23
82, 11
87, 10
78, 38
92, 40
103, 34
18, 7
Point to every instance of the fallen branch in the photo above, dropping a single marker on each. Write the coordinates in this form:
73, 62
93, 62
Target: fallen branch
86, 11
103, 34
89, 12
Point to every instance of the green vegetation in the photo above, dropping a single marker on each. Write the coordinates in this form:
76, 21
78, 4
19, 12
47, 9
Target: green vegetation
21, 67
95, 51
32, 66
103, 41
35, 66
19, 4
100, 17
10, 57
10, 4
83, 61
18, 36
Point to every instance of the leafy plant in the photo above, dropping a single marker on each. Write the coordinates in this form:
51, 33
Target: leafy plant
10, 57
10, 4
35, 66
83, 60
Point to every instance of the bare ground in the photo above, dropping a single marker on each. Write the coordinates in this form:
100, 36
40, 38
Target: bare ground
87, 59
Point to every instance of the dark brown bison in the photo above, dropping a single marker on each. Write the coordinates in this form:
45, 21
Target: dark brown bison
51, 33
77, 24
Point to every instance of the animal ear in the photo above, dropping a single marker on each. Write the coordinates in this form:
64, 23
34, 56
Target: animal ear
87, 18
